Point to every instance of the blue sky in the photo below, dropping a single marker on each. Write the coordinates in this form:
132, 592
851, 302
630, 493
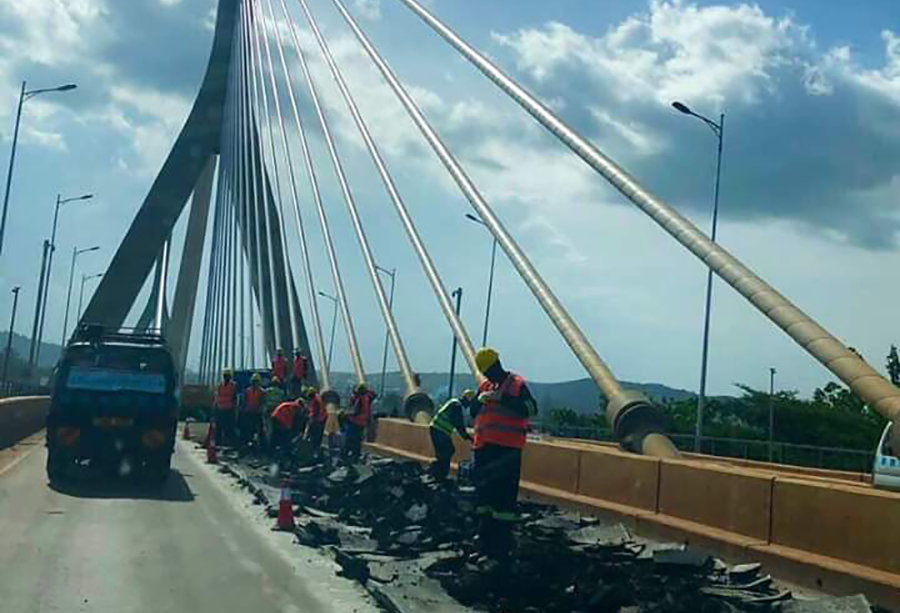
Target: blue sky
811, 91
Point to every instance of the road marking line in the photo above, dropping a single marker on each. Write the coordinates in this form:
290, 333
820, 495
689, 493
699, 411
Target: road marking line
20, 451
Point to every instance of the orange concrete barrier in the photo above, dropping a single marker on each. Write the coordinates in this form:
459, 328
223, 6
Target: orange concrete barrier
731, 499
551, 465
619, 477
839, 521
21, 417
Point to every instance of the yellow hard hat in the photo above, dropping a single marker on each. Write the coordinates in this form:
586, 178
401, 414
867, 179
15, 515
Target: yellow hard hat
275, 380
467, 394
226, 372
485, 358
362, 387
255, 378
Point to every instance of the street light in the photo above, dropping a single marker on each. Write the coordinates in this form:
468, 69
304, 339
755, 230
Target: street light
719, 130
457, 293
25, 95
45, 289
490, 291
37, 307
9, 339
75, 253
84, 279
393, 274
333, 323
771, 414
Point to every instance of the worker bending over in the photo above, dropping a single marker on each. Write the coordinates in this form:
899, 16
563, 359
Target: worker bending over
316, 418
224, 409
357, 420
274, 396
447, 419
286, 420
501, 411
250, 416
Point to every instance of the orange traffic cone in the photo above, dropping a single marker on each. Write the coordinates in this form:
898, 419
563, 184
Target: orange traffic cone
285, 508
186, 433
210, 434
212, 454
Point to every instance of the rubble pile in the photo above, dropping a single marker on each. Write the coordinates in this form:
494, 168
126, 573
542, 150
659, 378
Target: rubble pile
411, 542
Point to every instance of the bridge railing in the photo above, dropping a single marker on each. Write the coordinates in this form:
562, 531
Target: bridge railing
793, 454
13, 389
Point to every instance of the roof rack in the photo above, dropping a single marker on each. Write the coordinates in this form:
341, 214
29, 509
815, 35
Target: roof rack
97, 333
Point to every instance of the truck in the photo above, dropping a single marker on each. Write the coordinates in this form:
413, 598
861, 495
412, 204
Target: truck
114, 404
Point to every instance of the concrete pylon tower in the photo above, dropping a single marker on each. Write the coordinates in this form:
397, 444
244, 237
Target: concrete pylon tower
188, 170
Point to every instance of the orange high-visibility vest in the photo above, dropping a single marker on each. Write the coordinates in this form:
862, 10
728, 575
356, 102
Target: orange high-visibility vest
279, 367
497, 425
225, 396
316, 410
284, 414
362, 405
301, 366
253, 397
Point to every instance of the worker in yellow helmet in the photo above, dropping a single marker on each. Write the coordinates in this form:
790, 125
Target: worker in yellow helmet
501, 410
449, 418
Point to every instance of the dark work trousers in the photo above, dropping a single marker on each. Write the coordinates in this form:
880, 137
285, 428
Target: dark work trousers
353, 440
224, 427
296, 386
314, 433
281, 438
249, 425
443, 453
496, 478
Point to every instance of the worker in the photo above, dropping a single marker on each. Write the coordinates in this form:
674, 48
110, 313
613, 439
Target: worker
224, 409
316, 418
300, 371
447, 419
357, 420
501, 411
273, 396
279, 367
250, 417
284, 424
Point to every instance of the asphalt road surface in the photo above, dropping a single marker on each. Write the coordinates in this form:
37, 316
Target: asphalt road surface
105, 545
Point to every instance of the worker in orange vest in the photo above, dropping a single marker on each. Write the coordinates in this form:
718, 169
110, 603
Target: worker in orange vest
300, 371
224, 409
285, 419
358, 420
501, 410
279, 366
316, 418
250, 416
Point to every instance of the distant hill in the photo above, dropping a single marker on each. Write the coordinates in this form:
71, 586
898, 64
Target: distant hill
580, 395
21, 345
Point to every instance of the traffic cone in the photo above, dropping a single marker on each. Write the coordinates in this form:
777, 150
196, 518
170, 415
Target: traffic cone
285, 508
186, 433
210, 434
212, 454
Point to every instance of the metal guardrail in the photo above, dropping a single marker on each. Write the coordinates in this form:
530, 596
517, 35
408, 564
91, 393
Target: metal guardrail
809, 456
14, 389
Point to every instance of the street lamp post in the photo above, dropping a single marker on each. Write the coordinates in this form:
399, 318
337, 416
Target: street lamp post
393, 274
771, 414
490, 290
333, 324
23, 96
75, 253
457, 293
60, 201
84, 279
9, 339
719, 130
37, 309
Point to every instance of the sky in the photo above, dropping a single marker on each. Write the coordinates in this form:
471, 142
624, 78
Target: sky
810, 90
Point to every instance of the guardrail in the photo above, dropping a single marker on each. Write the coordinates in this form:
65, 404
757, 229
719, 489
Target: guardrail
793, 454
21, 417
13, 389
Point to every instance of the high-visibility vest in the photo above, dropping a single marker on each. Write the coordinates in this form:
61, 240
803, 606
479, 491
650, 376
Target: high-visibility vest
497, 425
253, 397
301, 365
362, 405
279, 366
273, 397
316, 410
441, 420
225, 396
284, 413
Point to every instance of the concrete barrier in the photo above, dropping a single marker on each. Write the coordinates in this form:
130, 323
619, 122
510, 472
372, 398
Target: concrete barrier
839, 521
21, 417
731, 499
619, 477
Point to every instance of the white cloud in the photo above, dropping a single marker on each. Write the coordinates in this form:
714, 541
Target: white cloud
368, 9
